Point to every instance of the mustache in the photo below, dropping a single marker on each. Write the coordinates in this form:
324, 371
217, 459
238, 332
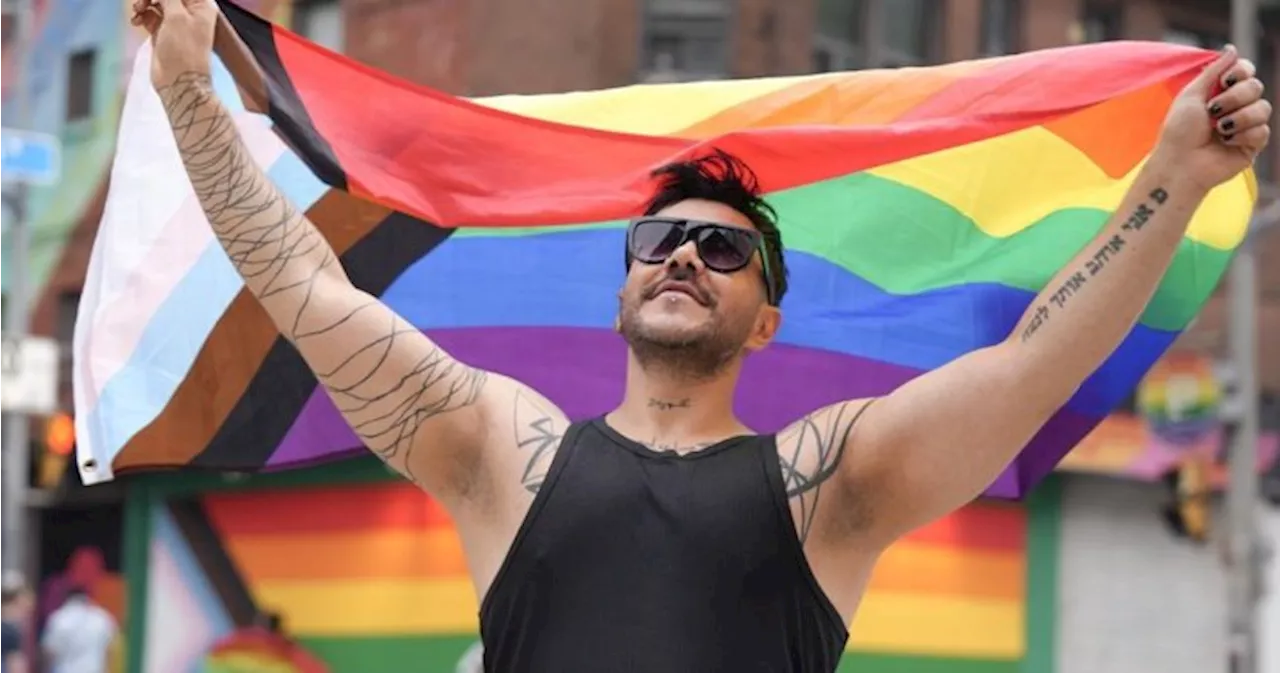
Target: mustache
682, 280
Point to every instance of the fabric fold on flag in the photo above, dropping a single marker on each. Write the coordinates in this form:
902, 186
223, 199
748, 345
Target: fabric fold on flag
922, 209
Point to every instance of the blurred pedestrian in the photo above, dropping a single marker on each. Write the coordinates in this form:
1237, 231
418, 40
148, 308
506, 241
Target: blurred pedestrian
17, 604
79, 635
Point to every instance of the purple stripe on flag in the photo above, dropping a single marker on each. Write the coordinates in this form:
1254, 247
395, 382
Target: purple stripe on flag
582, 370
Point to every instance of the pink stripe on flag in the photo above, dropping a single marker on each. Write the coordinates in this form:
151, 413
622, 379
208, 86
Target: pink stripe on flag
123, 320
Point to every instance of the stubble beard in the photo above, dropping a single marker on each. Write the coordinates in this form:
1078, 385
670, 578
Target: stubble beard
694, 355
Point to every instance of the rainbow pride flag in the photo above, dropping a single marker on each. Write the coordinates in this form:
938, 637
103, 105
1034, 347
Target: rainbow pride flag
922, 210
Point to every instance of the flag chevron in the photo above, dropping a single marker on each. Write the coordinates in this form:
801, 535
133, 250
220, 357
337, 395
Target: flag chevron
922, 210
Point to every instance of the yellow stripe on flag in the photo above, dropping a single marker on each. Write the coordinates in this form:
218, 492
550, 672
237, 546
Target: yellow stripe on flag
1038, 173
939, 626
377, 607
631, 109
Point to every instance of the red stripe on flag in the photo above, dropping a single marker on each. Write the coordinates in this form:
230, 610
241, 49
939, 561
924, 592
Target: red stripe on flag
457, 163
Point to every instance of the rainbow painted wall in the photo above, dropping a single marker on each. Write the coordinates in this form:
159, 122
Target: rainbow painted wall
371, 576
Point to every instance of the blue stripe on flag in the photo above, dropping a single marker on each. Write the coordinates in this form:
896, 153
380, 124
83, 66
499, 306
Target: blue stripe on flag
569, 279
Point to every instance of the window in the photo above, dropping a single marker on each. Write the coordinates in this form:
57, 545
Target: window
1265, 165
68, 308
1101, 23
685, 40
854, 34
999, 27
8, 24
910, 31
319, 21
840, 42
65, 332
1194, 38
80, 85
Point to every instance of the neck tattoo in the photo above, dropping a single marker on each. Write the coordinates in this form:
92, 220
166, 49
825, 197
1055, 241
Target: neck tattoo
668, 405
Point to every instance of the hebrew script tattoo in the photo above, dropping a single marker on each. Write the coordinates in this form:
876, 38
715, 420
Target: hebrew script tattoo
539, 428
810, 451
385, 377
1097, 263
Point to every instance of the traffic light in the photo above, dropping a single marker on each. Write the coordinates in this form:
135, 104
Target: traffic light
59, 443
1189, 514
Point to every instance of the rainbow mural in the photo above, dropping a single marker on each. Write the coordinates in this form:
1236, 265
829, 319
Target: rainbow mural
371, 576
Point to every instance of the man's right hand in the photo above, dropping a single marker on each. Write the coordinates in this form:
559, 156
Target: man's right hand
181, 34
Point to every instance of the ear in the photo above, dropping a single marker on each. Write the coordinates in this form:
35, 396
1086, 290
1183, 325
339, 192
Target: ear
617, 317
766, 328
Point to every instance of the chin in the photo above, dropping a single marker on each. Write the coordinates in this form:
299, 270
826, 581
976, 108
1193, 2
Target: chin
672, 335
673, 326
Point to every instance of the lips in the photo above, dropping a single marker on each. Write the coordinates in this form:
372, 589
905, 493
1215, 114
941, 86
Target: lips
680, 286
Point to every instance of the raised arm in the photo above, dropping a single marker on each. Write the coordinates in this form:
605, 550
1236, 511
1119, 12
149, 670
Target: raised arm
938, 441
431, 417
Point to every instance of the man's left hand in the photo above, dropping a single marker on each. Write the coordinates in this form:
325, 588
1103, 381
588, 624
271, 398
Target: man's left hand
1218, 124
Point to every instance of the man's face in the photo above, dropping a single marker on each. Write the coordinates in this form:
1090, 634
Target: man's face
682, 315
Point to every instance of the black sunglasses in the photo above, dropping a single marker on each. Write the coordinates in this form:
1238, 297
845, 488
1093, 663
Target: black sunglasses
721, 247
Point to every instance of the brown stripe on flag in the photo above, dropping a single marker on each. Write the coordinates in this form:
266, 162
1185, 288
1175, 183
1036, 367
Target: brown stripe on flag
233, 353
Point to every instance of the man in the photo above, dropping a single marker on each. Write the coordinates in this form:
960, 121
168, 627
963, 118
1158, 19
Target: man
79, 635
666, 536
17, 604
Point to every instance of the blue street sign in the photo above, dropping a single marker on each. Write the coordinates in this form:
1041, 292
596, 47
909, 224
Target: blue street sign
29, 157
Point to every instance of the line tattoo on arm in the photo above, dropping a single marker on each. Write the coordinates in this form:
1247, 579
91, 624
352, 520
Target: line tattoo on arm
539, 429
1106, 251
384, 376
810, 451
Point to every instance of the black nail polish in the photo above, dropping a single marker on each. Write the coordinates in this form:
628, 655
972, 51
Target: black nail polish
1228, 124
1231, 81
1215, 109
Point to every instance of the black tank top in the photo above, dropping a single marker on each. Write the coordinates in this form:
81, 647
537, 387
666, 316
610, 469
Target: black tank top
651, 562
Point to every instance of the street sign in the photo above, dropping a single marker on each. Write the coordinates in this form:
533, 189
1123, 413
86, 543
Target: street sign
30, 157
30, 380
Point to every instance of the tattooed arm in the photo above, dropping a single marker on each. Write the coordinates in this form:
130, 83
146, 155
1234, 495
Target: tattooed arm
939, 440
423, 412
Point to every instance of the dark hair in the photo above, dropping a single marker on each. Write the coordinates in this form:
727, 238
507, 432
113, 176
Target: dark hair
724, 178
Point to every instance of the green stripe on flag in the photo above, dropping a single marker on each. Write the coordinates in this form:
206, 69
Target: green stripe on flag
905, 242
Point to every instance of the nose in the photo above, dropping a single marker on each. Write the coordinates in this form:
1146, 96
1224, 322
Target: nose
686, 256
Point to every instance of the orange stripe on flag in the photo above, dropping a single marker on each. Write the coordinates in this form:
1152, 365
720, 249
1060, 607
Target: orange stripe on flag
838, 100
374, 554
1118, 133
326, 510
927, 569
